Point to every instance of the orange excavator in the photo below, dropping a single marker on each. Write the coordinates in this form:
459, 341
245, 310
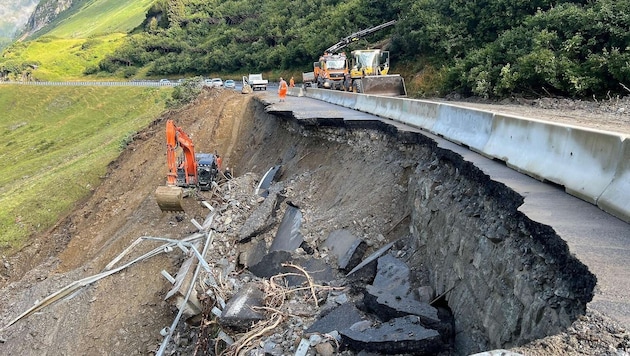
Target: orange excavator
186, 169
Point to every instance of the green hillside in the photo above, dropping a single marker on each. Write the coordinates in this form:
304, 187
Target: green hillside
75, 42
492, 48
98, 17
59, 59
57, 142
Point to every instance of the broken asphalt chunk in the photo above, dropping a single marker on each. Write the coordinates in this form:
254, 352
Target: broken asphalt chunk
392, 275
346, 247
238, 313
387, 305
366, 270
317, 269
271, 264
400, 335
260, 219
288, 237
341, 317
266, 180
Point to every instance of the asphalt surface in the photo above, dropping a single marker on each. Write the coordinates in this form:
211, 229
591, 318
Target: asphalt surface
598, 239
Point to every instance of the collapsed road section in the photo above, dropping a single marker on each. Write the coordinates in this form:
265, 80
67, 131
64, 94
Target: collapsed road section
362, 237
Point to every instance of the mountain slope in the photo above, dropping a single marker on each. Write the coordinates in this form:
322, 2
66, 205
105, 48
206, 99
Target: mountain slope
85, 18
65, 38
13, 15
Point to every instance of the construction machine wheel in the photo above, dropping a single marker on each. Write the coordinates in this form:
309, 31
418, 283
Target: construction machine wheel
169, 198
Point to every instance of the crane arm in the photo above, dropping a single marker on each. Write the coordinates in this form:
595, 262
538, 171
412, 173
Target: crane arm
356, 36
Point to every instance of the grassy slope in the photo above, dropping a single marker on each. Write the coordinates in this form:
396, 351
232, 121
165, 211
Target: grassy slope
57, 142
61, 53
98, 17
67, 58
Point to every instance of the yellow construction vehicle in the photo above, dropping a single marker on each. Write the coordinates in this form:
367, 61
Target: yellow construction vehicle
368, 73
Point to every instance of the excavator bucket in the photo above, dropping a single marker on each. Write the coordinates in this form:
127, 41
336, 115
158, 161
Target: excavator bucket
169, 198
386, 85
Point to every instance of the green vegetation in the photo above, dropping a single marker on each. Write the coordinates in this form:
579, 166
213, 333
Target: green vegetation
55, 59
72, 46
57, 143
490, 48
500, 47
89, 18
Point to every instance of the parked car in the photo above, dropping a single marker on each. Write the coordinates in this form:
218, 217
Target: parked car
207, 83
217, 82
229, 84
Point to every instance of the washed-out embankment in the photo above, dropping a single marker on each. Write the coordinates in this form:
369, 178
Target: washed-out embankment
507, 279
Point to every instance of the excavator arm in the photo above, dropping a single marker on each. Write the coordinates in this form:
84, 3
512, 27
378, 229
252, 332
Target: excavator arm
188, 165
181, 173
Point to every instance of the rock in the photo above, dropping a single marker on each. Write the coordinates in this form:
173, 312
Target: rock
238, 313
401, 335
252, 253
260, 220
247, 89
426, 294
346, 247
325, 349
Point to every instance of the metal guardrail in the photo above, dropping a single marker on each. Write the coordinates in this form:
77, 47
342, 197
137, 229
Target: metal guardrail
140, 83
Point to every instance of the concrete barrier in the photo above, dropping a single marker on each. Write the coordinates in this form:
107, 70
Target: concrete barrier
583, 161
591, 165
616, 198
420, 113
464, 126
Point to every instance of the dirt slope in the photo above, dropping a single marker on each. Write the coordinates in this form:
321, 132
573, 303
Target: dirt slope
118, 314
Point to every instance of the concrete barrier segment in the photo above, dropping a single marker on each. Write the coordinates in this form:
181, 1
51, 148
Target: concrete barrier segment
296, 91
419, 113
616, 198
465, 126
583, 161
591, 165
383, 106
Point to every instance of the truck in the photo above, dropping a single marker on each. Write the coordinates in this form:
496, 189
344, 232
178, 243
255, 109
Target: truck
367, 71
331, 70
308, 79
255, 81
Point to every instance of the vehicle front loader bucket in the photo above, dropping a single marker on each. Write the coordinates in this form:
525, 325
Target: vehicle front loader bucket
169, 198
386, 85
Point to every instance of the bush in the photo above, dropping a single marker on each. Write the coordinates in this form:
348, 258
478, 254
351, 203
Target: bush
186, 92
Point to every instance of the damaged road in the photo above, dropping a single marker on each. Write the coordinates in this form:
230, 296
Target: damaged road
308, 268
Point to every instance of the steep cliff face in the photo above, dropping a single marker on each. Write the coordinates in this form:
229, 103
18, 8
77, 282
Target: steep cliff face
13, 16
45, 12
